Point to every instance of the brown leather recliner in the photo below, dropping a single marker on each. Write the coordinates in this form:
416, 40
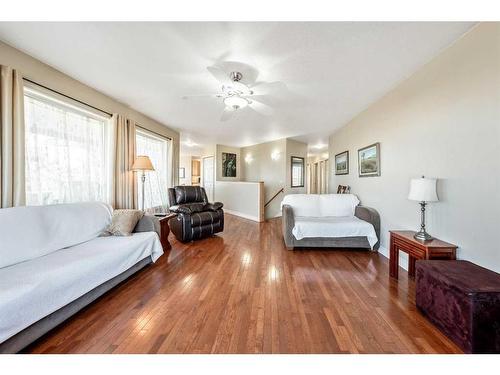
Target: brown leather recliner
196, 217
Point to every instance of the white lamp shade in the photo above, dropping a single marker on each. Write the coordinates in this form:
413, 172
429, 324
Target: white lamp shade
423, 190
142, 163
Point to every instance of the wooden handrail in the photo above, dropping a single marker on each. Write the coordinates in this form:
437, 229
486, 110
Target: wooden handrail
274, 196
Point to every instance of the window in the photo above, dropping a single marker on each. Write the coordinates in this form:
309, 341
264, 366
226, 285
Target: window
158, 150
67, 150
297, 165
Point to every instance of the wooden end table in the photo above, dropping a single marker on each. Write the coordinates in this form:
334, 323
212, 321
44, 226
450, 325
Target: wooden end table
403, 240
165, 230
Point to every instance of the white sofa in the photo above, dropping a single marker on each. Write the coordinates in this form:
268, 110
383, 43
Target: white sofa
53, 263
329, 220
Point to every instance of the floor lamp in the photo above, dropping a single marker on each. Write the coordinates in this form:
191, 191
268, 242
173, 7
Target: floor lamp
142, 164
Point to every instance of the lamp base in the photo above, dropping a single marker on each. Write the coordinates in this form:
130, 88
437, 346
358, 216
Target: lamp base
422, 236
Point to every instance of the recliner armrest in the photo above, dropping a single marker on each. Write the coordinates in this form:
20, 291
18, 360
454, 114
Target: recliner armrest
180, 209
213, 206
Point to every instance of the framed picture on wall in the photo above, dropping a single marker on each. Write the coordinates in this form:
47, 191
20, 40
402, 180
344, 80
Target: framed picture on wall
182, 172
342, 163
228, 164
369, 161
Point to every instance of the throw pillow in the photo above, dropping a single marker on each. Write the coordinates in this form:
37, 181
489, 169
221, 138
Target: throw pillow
123, 222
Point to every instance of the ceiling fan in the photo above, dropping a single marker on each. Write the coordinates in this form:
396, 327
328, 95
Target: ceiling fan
236, 95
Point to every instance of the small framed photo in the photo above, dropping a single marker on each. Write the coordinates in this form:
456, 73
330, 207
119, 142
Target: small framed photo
342, 163
182, 172
369, 161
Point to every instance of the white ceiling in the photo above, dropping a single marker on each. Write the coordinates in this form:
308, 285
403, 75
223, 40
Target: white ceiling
332, 70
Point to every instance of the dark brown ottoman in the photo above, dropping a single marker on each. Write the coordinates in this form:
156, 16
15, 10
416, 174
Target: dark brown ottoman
463, 300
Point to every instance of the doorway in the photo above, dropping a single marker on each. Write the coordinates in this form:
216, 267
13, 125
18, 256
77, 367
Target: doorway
318, 177
208, 176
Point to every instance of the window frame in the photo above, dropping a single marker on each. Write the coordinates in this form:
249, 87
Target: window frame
301, 162
67, 104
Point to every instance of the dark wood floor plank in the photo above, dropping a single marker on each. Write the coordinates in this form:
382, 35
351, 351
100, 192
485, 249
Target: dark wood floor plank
243, 292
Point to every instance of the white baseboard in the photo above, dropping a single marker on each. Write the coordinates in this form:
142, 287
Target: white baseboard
403, 257
240, 214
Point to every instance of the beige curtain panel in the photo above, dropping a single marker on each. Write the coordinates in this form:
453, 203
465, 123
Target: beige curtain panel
12, 189
125, 185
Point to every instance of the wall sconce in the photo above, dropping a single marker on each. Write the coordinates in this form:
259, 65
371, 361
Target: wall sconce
248, 158
275, 155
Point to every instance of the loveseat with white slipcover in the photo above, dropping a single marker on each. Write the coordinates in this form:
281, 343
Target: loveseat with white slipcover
329, 220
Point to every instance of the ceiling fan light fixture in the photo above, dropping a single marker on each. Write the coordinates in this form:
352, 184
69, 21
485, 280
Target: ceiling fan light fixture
235, 102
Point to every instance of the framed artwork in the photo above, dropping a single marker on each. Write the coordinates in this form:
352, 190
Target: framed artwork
182, 172
297, 172
369, 160
228, 164
342, 163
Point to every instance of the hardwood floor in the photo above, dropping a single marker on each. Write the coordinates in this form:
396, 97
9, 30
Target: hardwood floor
243, 292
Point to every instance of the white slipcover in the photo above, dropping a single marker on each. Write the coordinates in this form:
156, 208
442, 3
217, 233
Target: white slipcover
33, 231
32, 290
322, 205
334, 227
303, 204
52, 255
328, 216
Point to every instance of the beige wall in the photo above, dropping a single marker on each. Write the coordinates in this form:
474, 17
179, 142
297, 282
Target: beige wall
240, 198
43, 74
266, 162
218, 162
442, 122
270, 162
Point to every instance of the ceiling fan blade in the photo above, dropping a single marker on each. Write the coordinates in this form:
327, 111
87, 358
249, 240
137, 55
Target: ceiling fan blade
261, 108
220, 75
264, 88
228, 113
203, 96
266, 99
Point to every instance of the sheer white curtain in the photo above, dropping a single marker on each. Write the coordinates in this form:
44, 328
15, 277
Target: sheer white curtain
159, 150
67, 152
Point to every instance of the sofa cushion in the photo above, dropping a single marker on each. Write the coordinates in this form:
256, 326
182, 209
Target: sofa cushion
123, 222
307, 205
337, 205
33, 231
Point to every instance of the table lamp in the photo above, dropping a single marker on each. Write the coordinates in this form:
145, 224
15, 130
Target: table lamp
423, 190
142, 164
